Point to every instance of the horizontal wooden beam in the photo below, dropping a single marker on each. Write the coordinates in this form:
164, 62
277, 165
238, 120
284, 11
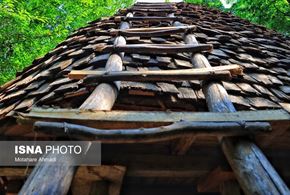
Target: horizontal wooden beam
150, 32
154, 48
147, 135
152, 116
147, 18
220, 72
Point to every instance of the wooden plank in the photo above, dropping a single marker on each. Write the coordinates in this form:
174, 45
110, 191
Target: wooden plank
146, 18
151, 32
173, 131
214, 179
220, 72
153, 48
153, 116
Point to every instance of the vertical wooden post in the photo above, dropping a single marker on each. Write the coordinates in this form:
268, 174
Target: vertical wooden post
47, 178
254, 172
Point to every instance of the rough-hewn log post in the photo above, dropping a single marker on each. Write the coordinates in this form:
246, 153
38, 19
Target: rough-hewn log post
48, 178
254, 172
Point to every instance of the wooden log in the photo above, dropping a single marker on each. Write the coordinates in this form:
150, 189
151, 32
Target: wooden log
47, 178
104, 95
175, 130
154, 48
150, 32
255, 176
254, 172
220, 72
56, 179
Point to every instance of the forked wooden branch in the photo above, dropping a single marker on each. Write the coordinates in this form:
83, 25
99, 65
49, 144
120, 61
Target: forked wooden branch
172, 131
154, 48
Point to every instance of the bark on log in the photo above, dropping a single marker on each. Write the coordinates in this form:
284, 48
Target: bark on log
154, 48
175, 130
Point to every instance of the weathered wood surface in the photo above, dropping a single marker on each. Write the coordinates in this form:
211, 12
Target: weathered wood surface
151, 32
175, 130
230, 187
104, 95
222, 73
214, 179
146, 18
154, 48
50, 178
152, 116
254, 172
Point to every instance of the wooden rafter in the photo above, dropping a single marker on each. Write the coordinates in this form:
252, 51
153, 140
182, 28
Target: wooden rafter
153, 48
221, 72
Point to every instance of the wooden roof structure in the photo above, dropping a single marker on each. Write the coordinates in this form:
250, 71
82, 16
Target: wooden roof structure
214, 82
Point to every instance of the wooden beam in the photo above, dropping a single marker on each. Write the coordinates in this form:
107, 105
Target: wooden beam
146, 18
183, 145
153, 49
214, 179
252, 169
220, 72
148, 116
112, 174
48, 178
254, 172
230, 187
175, 130
151, 32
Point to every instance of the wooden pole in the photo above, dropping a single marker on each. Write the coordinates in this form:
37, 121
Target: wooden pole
48, 178
254, 172
175, 130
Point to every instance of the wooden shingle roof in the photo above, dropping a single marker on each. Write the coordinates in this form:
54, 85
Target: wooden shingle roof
264, 55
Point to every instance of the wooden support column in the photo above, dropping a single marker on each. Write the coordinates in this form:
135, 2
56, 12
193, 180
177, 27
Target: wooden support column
56, 179
103, 98
254, 172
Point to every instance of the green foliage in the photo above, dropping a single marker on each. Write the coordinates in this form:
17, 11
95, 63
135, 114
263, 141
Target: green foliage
30, 28
274, 14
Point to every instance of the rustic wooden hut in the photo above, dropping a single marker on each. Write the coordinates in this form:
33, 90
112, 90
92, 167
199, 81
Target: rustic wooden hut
201, 98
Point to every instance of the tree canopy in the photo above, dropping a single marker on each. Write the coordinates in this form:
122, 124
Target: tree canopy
274, 14
30, 28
